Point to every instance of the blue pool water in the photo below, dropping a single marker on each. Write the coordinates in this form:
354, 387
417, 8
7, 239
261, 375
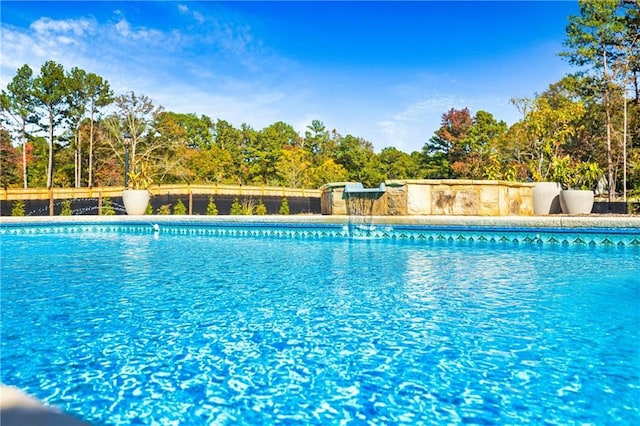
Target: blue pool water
126, 328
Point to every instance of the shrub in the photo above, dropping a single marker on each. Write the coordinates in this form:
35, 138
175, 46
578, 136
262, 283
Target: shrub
18, 208
149, 209
66, 208
284, 207
212, 209
107, 207
261, 209
247, 206
164, 210
179, 208
236, 208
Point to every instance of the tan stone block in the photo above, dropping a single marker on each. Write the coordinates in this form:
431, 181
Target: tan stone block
489, 200
466, 203
419, 199
396, 201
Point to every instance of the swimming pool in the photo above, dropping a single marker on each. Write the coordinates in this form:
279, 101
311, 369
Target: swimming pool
263, 324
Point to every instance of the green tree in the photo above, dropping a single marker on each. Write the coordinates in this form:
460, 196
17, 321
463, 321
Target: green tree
594, 39
107, 207
448, 144
212, 165
319, 142
212, 209
293, 167
327, 171
98, 95
66, 208
232, 141
261, 209
134, 116
356, 155
16, 108
9, 162
179, 208
284, 207
77, 106
397, 164
50, 96
236, 208
266, 149
18, 208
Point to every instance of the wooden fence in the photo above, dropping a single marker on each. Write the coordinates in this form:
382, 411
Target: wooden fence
49, 199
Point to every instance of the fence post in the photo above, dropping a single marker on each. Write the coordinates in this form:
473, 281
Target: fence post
50, 202
190, 202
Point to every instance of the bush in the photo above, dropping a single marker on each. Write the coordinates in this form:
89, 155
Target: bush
212, 209
261, 209
66, 208
180, 208
247, 207
149, 209
164, 210
18, 208
236, 208
284, 207
107, 207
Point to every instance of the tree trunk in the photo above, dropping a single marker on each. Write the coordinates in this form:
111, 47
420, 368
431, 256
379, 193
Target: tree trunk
50, 166
24, 157
607, 109
90, 180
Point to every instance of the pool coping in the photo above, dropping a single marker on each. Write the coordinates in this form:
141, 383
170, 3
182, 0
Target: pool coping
551, 221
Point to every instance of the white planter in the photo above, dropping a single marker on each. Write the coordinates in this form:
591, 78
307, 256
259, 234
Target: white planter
546, 198
135, 201
576, 201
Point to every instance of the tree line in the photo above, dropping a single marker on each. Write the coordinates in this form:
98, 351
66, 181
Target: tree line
67, 128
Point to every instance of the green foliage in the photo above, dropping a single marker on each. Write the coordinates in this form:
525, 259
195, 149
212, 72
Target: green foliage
107, 207
149, 210
580, 116
248, 206
212, 209
576, 174
179, 208
261, 209
18, 208
139, 178
284, 207
236, 208
164, 210
50, 92
66, 208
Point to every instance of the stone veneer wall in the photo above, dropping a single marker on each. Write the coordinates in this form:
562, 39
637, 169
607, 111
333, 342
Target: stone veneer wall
439, 197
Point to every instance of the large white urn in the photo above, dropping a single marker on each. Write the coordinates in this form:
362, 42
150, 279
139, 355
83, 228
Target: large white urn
546, 198
576, 201
135, 201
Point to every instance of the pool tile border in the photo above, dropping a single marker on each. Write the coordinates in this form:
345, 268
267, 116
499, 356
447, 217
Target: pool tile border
611, 232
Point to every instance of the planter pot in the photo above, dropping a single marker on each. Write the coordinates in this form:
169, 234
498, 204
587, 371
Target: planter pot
135, 201
575, 201
546, 198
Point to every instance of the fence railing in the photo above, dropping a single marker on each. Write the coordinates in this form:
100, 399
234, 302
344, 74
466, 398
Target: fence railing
213, 189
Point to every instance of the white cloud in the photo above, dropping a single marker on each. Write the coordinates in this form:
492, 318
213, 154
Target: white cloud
184, 9
78, 27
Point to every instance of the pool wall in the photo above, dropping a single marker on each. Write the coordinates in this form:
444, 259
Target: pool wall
618, 231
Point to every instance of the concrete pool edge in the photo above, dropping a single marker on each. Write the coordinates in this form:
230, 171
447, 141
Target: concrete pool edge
556, 221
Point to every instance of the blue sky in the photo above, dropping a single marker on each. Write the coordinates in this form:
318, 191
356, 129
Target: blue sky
383, 71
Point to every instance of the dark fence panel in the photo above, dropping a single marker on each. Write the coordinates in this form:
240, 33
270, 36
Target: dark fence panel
604, 207
89, 206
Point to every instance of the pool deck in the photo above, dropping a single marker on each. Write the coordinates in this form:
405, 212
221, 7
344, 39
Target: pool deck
20, 409
550, 221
